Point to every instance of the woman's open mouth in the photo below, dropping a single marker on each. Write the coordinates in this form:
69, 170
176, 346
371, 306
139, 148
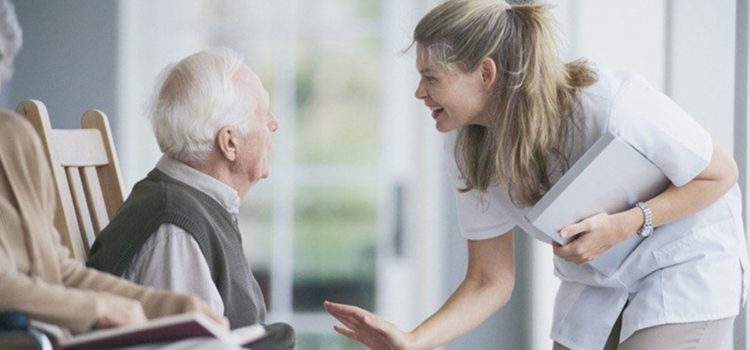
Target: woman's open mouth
436, 111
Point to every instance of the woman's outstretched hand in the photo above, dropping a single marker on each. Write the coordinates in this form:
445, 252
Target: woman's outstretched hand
368, 329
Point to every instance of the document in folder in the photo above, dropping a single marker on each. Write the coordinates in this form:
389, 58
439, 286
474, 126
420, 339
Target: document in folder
610, 177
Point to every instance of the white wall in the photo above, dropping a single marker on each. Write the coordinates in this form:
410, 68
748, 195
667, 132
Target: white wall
150, 36
702, 70
741, 64
67, 59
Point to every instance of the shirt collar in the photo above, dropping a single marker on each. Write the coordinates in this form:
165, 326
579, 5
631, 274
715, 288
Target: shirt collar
225, 195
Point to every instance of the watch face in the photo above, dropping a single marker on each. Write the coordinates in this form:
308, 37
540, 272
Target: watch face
645, 231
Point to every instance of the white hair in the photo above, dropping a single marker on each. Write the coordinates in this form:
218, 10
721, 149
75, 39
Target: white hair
194, 99
10, 38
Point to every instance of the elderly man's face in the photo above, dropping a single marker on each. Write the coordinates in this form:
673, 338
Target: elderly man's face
252, 157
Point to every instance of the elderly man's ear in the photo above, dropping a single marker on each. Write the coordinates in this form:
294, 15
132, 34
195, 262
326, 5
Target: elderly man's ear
226, 142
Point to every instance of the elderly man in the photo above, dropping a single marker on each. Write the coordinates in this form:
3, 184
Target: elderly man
178, 228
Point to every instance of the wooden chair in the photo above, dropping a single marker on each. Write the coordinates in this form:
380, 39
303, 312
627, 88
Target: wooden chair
86, 172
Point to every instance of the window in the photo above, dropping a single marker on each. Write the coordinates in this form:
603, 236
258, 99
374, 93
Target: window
341, 214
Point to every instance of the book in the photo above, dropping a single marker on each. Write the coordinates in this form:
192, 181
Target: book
611, 176
163, 329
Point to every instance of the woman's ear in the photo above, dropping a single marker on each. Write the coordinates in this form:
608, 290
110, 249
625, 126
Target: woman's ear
226, 142
488, 69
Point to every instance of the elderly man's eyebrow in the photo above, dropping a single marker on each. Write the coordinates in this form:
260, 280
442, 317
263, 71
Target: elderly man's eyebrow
424, 71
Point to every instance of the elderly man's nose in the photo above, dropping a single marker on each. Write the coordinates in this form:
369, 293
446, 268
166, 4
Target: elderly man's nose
273, 125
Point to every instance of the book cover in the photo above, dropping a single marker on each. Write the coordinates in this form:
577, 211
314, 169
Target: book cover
163, 329
610, 177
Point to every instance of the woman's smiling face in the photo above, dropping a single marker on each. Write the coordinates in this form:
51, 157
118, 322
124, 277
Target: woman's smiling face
456, 98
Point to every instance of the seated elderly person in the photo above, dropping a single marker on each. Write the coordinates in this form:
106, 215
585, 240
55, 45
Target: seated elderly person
178, 228
38, 276
37, 273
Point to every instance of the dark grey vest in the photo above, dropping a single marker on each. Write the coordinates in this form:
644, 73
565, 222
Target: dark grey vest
160, 199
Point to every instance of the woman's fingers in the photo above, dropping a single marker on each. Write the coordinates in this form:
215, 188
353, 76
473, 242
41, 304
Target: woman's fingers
576, 251
115, 311
575, 229
350, 322
362, 326
334, 310
588, 224
352, 314
345, 332
345, 309
344, 315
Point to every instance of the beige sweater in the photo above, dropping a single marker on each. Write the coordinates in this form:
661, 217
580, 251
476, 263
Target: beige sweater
37, 273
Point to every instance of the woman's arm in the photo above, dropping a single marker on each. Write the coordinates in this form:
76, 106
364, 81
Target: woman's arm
488, 284
68, 307
600, 232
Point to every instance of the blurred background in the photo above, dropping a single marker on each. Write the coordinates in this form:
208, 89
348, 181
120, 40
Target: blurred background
357, 208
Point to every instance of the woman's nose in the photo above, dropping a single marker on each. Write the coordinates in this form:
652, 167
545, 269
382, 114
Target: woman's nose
420, 93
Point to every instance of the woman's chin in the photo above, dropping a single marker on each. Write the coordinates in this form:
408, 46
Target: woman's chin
444, 127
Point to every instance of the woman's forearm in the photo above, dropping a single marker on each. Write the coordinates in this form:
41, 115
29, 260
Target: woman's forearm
473, 302
677, 202
487, 287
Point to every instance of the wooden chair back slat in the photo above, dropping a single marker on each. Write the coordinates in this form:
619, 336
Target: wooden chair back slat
87, 175
109, 176
78, 147
85, 226
94, 198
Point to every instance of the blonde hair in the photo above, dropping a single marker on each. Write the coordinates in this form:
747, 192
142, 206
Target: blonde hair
535, 97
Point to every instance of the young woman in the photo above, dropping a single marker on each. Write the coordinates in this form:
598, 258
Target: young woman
522, 116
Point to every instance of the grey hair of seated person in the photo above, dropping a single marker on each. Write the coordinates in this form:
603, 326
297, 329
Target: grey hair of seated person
10, 38
194, 99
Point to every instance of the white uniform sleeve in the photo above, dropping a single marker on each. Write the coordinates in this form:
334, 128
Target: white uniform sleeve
172, 260
480, 215
659, 129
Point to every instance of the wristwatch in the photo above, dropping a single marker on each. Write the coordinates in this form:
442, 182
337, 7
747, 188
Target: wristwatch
648, 226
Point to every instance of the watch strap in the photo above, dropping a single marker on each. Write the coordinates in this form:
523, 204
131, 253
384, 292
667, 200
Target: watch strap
648, 225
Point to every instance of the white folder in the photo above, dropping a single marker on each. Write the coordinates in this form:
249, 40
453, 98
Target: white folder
610, 177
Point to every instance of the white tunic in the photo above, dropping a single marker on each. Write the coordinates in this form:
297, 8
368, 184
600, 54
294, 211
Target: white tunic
689, 270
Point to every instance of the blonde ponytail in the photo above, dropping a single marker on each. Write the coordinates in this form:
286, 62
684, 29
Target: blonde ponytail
534, 107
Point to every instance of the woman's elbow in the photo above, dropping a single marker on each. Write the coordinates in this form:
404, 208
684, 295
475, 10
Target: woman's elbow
722, 170
733, 175
728, 176
503, 288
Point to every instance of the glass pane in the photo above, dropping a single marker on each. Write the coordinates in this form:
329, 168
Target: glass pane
334, 246
338, 102
256, 226
307, 341
336, 14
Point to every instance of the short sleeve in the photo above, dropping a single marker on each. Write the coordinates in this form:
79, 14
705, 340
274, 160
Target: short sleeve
662, 131
480, 215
